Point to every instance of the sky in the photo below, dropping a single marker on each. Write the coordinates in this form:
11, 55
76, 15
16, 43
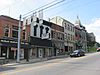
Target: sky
87, 10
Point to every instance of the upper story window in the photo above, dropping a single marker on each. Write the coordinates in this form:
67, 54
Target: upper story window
35, 30
58, 35
23, 34
71, 28
68, 36
15, 31
68, 27
41, 30
65, 25
65, 36
47, 29
6, 32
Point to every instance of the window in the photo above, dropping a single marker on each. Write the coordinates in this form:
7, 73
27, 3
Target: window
68, 27
41, 30
47, 29
71, 28
35, 30
23, 34
58, 35
68, 36
65, 36
71, 38
65, 26
6, 32
31, 19
15, 31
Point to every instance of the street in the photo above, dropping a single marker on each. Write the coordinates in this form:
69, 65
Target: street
86, 65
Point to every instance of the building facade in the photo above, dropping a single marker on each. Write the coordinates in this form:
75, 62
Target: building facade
9, 37
69, 32
80, 34
57, 37
38, 34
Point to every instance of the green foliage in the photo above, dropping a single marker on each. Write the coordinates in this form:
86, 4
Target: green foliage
92, 49
91, 43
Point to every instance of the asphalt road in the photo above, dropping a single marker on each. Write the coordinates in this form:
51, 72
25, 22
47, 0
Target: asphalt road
86, 65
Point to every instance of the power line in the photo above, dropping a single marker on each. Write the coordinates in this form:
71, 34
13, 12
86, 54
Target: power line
40, 7
64, 3
50, 5
78, 6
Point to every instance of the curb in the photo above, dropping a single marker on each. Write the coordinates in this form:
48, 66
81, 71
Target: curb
34, 60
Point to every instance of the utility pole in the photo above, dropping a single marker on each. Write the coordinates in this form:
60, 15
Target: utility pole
18, 50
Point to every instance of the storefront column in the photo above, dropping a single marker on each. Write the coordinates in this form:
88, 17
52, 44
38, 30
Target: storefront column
7, 52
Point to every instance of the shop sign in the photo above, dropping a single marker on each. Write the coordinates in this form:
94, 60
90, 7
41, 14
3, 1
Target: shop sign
4, 41
13, 41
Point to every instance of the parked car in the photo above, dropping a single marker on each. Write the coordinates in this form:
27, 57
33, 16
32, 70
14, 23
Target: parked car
98, 49
77, 53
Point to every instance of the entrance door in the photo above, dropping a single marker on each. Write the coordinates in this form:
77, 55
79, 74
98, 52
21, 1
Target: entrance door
4, 52
40, 52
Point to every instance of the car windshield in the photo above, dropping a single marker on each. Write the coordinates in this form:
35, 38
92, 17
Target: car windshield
75, 51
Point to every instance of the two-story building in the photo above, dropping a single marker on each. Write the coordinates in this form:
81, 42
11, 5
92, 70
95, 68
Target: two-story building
9, 38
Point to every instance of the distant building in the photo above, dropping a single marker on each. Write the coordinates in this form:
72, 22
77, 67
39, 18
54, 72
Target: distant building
69, 32
80, 35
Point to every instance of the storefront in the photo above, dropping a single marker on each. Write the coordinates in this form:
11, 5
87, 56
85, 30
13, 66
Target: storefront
40, 48
8, 48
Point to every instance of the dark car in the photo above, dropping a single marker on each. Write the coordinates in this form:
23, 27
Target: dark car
78, 53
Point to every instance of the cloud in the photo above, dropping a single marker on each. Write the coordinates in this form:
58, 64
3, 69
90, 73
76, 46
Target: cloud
94, 27
4, 3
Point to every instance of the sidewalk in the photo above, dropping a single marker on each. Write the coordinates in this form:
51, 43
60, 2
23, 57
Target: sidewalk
13, 62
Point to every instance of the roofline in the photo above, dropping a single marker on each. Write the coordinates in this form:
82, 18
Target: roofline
9, 17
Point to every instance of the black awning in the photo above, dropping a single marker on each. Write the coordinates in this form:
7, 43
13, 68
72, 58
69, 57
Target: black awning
40, 42
14, 45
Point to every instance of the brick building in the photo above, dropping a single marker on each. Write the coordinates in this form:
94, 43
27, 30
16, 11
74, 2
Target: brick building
8, 38
57, 37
